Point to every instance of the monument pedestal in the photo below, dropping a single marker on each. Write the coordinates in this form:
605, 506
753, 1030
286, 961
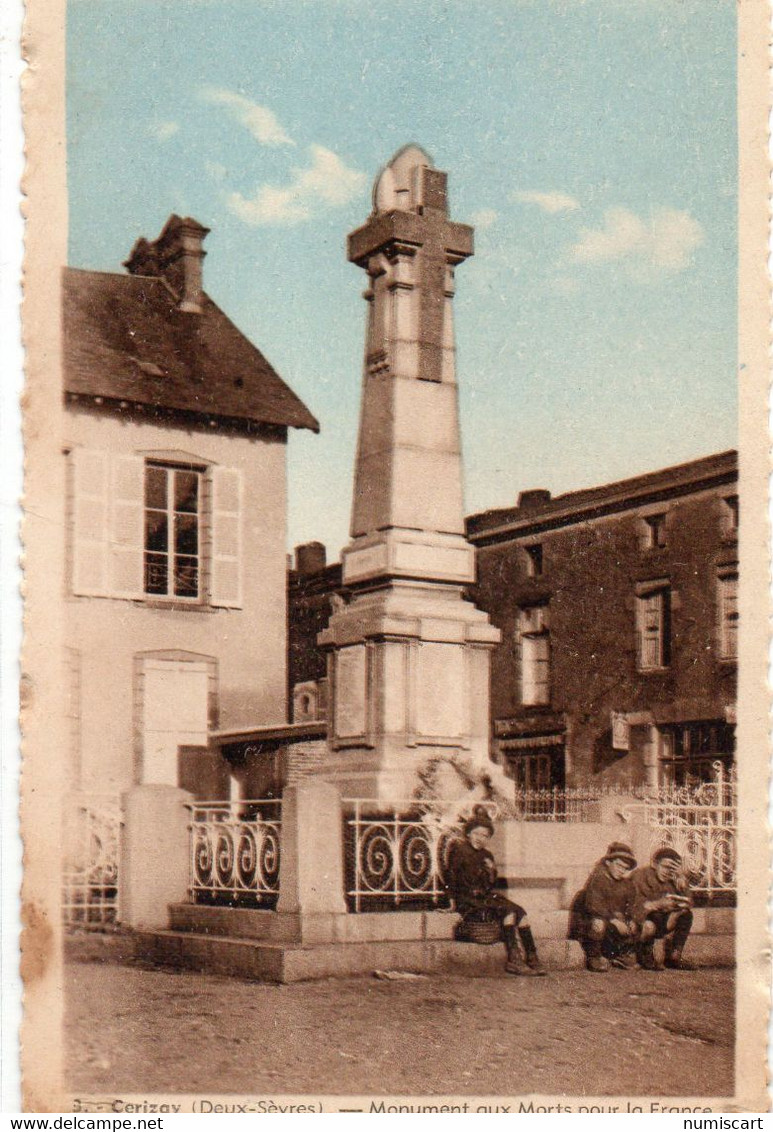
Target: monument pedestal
409, 682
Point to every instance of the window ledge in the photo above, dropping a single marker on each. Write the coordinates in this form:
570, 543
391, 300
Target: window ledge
653, 671
171, 603
728, 661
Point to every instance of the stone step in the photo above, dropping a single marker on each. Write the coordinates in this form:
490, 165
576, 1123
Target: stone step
287, 963
283, 927
367, 927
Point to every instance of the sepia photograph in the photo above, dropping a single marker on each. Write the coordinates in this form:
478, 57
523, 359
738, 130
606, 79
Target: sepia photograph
395, 556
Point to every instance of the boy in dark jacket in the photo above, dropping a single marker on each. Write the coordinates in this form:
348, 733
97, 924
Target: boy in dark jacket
601, 918
470, 876
662, 907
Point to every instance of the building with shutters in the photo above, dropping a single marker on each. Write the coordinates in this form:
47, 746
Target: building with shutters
176, 569
619, 618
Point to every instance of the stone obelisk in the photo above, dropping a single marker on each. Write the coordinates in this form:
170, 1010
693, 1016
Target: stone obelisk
408, 658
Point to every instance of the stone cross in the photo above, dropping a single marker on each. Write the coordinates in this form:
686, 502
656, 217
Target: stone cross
407, 478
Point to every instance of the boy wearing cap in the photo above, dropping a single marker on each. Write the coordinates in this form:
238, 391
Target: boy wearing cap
601, 918
470, 876
662, 907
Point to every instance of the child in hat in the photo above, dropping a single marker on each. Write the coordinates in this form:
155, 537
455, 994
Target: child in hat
601, 917
470, 877
662, 907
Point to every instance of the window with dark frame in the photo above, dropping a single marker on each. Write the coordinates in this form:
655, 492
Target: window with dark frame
654, 531
173, 502
730, 515
537, 768
690, 751
534, 560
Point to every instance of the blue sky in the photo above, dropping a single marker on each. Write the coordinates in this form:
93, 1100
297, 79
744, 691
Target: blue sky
591, 142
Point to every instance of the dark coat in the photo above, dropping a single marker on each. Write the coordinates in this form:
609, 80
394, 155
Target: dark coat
602, 898
470, 876
647, 887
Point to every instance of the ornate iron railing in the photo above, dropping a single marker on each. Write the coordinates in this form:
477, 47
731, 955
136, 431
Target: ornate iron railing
700, 822
235, 849
92, 827
396, 859
567, 804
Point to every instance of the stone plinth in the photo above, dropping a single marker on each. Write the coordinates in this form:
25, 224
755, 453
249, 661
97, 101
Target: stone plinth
154, 866
311, 870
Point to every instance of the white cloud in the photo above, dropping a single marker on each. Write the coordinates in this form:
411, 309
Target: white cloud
163, 131
549, 202
666, 241
259, 120
326, 183
484, 218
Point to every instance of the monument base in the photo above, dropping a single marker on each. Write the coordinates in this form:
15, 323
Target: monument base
409, 677
258, 945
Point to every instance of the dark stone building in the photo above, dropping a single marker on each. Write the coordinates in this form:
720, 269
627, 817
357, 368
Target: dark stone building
619, 619
313, 588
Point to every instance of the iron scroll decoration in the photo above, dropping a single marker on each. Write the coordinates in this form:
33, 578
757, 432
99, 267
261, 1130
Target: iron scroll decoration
234, 855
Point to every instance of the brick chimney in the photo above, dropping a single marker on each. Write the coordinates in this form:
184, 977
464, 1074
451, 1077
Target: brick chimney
177, 257
534, 497
310, 558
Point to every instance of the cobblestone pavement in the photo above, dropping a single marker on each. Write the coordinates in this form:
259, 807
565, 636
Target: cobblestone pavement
143, 1030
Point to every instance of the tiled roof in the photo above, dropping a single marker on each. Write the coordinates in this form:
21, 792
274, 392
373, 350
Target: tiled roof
125, 340
575, 505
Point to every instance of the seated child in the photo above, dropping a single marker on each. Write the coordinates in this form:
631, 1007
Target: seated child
470, 875
601, 918
662, 909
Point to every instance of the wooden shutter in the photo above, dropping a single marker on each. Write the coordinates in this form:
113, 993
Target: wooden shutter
226, 538
127, 527
535, 669
650, 628
90, 522
728, 616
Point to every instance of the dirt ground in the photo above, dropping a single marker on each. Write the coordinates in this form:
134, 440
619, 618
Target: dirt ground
143, 1030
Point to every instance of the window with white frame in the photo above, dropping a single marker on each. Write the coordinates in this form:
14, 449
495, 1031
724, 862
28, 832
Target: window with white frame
173, 498
534, 648
653, 628
728, 615
144, 527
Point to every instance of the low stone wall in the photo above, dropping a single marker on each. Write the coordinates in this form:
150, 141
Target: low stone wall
312, 935
556, 857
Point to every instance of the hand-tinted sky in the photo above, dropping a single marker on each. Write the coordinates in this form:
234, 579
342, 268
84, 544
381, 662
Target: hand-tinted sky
591, 142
